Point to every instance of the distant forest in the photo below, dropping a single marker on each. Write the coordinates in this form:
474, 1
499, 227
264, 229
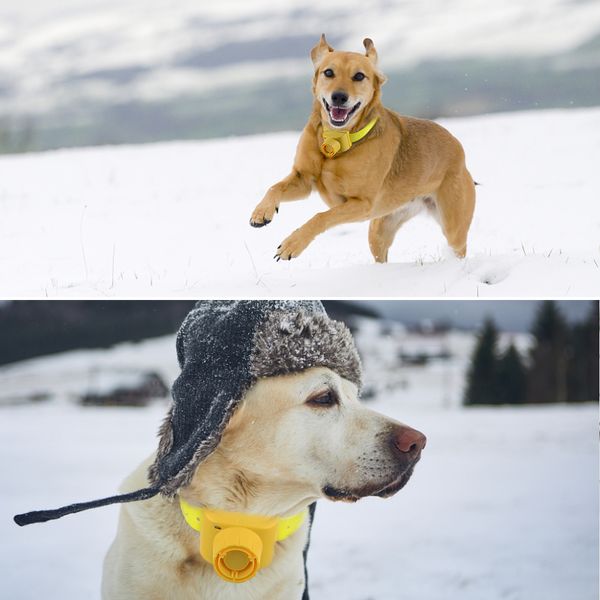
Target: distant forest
561, 366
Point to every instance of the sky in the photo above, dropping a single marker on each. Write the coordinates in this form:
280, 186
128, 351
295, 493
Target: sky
509, 315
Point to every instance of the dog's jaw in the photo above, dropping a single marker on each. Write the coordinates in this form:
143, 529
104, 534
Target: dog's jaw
396, 486
353, 495
340, 116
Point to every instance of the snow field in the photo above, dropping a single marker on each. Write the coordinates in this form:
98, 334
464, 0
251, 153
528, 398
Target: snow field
171, 219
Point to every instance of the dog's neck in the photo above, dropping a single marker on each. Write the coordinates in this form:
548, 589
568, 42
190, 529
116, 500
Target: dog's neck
218, 483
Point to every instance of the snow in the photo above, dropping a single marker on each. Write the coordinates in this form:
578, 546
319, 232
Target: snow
503, 505
171, 219
68, 376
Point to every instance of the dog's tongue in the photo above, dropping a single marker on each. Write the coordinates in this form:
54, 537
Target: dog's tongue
339, 114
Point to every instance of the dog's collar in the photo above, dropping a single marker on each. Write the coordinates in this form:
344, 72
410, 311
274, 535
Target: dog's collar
286, 526
238, 544
338, 141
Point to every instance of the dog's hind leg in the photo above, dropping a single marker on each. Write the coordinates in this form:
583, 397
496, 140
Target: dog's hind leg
454, 207
382, 230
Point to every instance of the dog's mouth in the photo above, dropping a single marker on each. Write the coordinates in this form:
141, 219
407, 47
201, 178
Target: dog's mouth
389, 489
396, 486
339, 115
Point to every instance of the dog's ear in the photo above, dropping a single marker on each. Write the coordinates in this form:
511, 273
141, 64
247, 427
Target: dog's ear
371, 54
320, 51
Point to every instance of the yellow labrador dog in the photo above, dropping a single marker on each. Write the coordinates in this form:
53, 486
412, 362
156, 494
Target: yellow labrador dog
370, 163
294, 439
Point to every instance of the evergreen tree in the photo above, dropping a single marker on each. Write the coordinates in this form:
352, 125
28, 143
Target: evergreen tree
549, 326
511, 374
482, 375
547, 378
583, 359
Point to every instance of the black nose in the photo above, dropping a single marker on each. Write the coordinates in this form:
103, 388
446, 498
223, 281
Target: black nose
338, 98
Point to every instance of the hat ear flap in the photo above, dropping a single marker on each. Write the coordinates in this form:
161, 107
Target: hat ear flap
165, 443
213, 348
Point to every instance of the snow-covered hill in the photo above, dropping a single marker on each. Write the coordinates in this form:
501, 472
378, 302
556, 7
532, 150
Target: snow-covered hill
90, 72
125, 50
172, 220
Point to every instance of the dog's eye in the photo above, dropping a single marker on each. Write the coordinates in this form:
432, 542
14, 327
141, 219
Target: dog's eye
328, 73
359, 76
323, 399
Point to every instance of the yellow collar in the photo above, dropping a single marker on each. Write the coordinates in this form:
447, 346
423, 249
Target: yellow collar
238, 544
286, 526
337, 141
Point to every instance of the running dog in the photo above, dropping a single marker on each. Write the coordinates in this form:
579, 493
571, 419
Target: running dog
370, 163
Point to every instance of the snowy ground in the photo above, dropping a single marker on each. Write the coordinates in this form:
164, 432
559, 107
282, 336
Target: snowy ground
504, 504
171, 219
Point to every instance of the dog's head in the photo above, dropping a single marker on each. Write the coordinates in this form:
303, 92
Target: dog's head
345, 83
299, 437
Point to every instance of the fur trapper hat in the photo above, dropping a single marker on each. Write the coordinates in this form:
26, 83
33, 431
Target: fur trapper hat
223, 347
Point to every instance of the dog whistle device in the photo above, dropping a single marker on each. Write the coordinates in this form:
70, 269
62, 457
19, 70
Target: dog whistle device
336, 141
238, 544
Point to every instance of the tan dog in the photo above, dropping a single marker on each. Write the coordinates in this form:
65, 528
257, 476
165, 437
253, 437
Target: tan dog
294, 439
400, 167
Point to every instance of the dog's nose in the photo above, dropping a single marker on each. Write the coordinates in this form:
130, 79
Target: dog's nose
409, 441
339, 97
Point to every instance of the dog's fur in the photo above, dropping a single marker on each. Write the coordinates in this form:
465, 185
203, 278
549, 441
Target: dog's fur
280, 452
404, 165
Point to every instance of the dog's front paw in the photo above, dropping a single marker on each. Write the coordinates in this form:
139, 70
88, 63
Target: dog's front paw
292, 246
263, 214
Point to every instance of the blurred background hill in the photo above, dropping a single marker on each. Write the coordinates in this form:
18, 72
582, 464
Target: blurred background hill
85, 72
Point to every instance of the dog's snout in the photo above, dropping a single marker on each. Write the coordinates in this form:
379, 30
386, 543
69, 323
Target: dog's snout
409, 441
339, 98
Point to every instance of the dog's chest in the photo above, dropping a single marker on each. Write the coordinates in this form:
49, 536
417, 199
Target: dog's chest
196, 579
337, 182
206, 585
352, 174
